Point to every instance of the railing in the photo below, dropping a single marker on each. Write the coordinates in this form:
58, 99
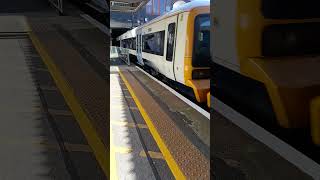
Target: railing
121, 53
58, 4
119, 6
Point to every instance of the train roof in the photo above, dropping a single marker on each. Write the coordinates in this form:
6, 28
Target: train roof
190, 5
182, 8
129, 34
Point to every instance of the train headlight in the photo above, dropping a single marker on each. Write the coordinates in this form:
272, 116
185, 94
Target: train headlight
201, 74
291, 39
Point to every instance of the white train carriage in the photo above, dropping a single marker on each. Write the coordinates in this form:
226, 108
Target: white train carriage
177, 45
128, 41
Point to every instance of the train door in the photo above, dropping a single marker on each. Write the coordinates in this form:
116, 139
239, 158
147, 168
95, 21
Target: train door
139, 46
171, 29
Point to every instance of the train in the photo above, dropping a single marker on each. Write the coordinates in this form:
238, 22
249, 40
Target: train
177, 46
128, 41
266, 61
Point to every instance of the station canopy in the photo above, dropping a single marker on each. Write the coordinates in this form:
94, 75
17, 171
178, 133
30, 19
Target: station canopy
126, 5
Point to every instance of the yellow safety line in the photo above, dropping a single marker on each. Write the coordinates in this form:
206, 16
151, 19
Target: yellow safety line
83, 120
175, 169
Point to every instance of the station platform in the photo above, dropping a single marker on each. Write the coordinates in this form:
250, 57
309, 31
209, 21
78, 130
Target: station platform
244, 150
79, 68
54, 115
154, 134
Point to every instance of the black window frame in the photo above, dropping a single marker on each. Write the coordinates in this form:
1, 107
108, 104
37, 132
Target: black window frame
133, 43
195, 62
287, 9
274, 42
172, 45
137, 42
162, 36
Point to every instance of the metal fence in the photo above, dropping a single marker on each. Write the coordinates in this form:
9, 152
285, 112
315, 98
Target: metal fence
121, 53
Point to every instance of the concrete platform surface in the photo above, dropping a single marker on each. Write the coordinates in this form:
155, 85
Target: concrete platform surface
135, 152
238, 155
23, 126
181, 134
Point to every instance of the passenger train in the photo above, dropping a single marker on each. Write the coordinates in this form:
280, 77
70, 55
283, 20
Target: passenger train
176, 45
266, 56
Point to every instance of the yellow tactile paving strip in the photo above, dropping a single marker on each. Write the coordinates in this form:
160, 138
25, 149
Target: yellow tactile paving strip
183, 158
77, 101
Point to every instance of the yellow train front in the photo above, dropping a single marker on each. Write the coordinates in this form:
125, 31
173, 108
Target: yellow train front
267, 60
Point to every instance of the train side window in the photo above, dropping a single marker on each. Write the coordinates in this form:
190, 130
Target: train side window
124, 43
137, 45
287, 9
153, 43
170, 41
129, 43
201, 48
134, 43
138, 42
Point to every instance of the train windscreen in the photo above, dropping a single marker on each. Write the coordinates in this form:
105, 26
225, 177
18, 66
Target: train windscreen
291, 39
201, 50
288, 9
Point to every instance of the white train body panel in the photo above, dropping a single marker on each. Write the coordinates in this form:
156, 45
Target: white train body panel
159, 62
225, 34
128, 35
155, 61
175, 70
180, 47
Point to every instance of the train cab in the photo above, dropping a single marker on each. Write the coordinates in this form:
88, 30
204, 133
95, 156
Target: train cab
267, 58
